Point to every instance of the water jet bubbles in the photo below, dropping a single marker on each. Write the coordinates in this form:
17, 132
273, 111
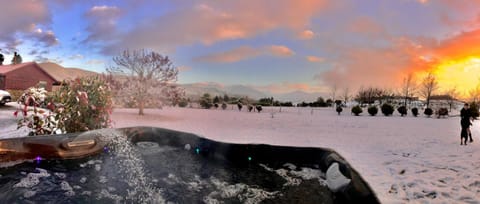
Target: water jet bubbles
29, 194
102, 179
187, 147
98, 167
60, 175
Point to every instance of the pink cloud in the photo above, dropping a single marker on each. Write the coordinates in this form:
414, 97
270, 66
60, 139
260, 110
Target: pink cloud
367, 26
20, 16
315, 59
286, 87
206, 22
234, 55
246, 52
280, 51
184, 68
306, 35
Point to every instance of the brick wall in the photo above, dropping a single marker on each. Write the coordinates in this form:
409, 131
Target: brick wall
26, 77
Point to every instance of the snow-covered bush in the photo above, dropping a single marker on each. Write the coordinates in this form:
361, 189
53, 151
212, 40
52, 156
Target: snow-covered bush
402, 110
356, 110
224, 106
387, 109
428, 112
39, 121
372, 110
83, 104
80, 105
33, 97
415, 112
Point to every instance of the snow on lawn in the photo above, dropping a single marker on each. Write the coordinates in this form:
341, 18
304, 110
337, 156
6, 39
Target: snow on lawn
402, 158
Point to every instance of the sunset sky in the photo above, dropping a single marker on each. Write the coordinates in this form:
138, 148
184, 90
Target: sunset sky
272, 45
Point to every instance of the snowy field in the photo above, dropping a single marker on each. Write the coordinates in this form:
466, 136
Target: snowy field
404, 159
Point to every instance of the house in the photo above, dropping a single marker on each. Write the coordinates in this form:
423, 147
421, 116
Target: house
25, 75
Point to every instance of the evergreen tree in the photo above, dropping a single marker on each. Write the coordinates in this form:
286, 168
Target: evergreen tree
17, 59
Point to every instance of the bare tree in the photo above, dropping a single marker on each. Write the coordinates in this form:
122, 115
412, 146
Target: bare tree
370, 95
452, 95
144, 76
408, 88
333, 91
346, 94
429, 85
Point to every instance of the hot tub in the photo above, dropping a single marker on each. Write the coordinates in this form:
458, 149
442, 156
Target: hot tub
154, 165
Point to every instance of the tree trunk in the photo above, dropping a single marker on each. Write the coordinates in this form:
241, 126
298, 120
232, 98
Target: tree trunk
141, 105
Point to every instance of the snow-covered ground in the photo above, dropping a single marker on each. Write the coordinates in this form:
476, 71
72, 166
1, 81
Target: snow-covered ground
404, 159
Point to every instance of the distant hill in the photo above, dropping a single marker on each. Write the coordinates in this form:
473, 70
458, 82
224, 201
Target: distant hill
240, 90
196, 90
298, 96
61, 73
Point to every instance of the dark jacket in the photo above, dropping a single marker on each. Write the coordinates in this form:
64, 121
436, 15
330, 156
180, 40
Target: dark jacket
465, 118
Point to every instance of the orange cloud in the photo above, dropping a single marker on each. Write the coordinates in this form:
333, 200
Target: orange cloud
281, 51
287, 87
246, 52
235, 55
315, 59
306, 35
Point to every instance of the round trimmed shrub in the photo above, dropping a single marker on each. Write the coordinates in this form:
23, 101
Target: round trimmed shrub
415, 112
428, 112
240, 106
250, 108
372, 110
224, 106
387, 109
402, 110
183, 103
339, 109
259, 108
356, 110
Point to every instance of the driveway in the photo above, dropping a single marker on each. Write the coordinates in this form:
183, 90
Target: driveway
8, 122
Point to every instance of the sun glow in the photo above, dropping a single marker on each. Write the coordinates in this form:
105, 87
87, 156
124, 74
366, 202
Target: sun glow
462, 74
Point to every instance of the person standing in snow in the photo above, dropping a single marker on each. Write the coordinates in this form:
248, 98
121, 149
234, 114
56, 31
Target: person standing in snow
465, 122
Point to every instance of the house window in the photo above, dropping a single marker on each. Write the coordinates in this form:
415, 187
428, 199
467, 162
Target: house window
42, 84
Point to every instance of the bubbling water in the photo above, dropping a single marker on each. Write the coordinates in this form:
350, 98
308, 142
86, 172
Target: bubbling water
130, 164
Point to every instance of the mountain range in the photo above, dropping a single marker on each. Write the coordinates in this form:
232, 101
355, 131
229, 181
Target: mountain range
194, 90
